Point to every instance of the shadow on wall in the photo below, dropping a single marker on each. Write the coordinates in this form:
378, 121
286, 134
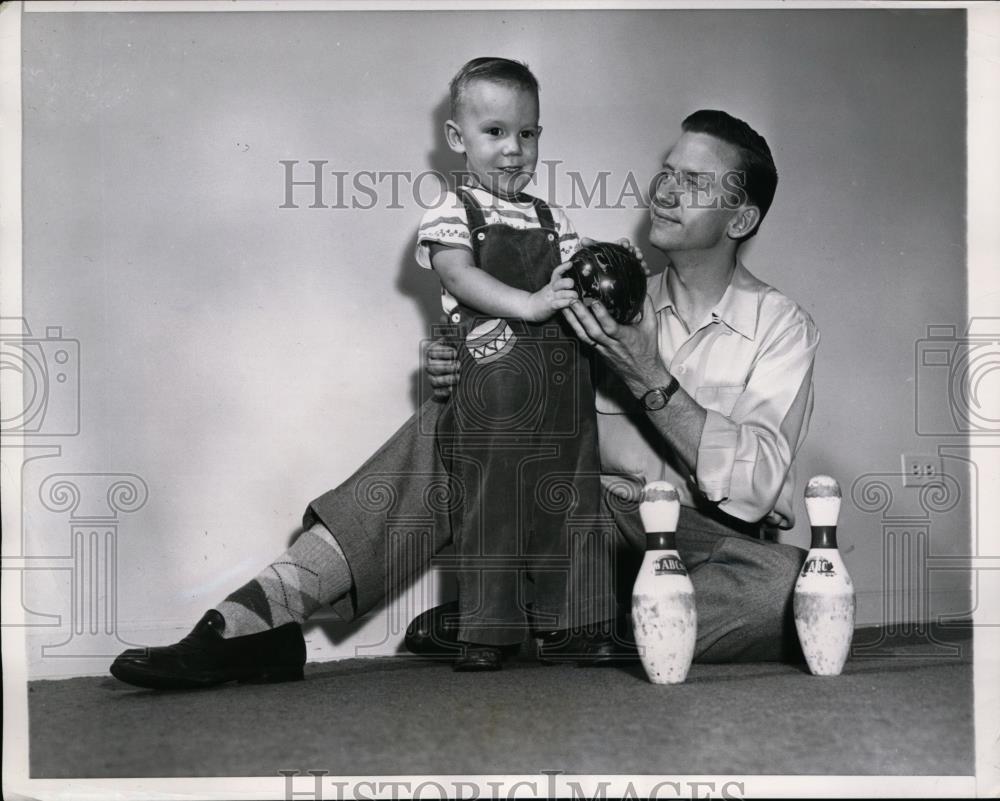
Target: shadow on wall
421, 285
424, 289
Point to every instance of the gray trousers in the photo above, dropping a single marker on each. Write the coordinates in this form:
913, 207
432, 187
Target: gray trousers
391, 519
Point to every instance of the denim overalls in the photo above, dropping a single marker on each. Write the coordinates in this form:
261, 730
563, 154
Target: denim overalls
519, 440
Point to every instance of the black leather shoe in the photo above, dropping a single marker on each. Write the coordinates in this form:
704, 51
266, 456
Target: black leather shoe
607, 650
434, 632
203, 658
479, 658
587, 650
556, 647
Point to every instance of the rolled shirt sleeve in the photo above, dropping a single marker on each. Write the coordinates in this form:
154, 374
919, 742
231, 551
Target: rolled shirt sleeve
444, 224
745, 454
749, 366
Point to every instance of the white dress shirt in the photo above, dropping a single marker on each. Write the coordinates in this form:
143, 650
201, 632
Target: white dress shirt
749, 364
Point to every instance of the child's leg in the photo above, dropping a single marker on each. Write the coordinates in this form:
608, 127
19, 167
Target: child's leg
570, 531
486, 442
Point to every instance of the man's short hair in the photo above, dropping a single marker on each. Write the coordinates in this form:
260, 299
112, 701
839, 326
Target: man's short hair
760, 176
497, 70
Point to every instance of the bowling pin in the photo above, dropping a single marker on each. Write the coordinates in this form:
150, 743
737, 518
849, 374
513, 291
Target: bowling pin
824, 602
664, 620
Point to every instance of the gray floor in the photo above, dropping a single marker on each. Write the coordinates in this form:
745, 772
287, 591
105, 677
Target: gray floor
895, 714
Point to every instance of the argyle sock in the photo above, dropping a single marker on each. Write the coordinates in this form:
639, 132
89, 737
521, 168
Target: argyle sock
311, 573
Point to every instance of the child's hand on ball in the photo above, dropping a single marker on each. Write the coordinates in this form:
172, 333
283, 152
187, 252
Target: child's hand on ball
558, 294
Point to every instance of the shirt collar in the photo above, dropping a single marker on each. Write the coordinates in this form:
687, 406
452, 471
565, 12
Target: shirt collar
737, 307
472, 182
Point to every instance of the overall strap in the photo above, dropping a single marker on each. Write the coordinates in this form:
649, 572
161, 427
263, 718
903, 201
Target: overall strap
477, 220
547, 223
474, 217
544, 215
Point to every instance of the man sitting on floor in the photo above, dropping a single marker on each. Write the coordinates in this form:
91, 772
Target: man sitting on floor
711, 390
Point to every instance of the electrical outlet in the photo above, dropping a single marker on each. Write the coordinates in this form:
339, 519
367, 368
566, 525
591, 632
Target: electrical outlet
921, 469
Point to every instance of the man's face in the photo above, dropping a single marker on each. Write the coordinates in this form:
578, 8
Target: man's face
693, 201
497, 130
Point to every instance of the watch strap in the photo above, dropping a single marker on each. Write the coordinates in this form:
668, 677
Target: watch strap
666, 392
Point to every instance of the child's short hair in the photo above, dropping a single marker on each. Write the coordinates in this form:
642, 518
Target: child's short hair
489, 68
756, 162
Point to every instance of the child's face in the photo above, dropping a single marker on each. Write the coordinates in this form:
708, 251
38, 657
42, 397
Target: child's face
497, 130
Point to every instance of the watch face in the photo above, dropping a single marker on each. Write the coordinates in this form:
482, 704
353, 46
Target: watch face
654, 400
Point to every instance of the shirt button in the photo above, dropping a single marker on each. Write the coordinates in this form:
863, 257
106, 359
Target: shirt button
480, 236
682, 369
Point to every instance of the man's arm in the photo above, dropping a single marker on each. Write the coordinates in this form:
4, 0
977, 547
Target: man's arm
632, 352
739, 461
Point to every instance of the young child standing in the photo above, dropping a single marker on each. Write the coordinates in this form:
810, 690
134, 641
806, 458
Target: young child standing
519, 434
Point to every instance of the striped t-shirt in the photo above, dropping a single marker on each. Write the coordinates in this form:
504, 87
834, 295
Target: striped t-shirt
446, 223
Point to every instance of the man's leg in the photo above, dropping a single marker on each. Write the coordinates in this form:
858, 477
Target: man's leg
310, 574
362, 540
744, 595
743, 586
392, 515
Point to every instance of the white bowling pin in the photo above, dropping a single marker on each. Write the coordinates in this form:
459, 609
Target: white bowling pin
824, 602
664, 619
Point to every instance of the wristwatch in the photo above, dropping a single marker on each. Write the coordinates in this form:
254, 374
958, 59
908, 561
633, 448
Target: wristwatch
657, 398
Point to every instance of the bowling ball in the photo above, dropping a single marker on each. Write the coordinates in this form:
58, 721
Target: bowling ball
615, 278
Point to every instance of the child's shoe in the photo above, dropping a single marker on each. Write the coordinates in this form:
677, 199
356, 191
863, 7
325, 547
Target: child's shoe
478, 658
